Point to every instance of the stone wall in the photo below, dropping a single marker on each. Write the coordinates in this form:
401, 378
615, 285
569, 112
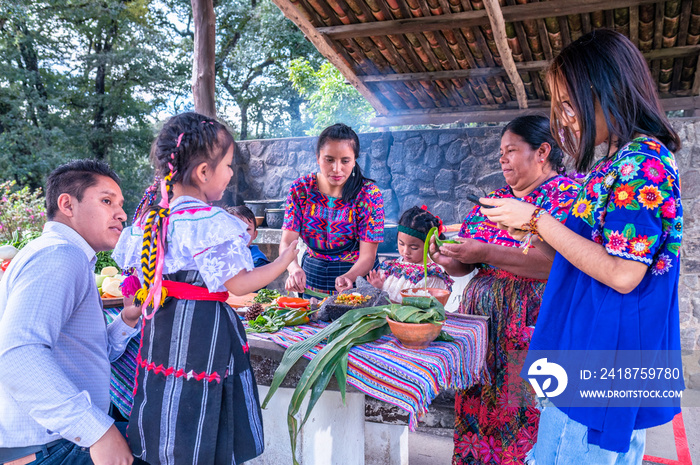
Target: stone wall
437, 167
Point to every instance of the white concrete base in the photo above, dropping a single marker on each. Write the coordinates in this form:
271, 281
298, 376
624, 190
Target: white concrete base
334, 433
386, 444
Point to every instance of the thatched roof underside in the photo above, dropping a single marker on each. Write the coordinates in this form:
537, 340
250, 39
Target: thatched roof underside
439, 61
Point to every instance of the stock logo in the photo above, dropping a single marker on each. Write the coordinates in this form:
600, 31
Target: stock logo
543, 369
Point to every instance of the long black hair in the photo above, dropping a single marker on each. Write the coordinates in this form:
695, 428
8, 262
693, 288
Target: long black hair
535, 130
187, 140
343, 132
604, 68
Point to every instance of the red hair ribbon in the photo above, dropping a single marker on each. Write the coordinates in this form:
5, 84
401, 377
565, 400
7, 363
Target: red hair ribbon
441, 228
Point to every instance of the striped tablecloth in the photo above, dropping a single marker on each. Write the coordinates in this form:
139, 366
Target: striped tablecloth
409, 379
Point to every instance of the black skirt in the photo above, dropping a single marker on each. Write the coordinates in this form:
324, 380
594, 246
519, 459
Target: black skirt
321, 274
196, 399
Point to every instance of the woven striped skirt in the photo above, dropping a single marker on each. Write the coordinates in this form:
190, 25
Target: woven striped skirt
196, 399
321, 274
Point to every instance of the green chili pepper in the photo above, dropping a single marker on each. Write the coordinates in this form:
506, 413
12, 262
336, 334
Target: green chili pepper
439, 243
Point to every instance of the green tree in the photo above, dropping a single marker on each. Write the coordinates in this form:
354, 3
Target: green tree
83, 79
256, 45
329, 99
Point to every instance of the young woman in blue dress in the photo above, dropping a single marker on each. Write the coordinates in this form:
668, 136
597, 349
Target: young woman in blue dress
613, 284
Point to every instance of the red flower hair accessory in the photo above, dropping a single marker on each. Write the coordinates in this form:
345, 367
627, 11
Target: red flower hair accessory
441, 228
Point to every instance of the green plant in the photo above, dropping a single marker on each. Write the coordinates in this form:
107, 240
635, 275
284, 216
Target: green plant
329, 99
357, 326
22, 214
105, 259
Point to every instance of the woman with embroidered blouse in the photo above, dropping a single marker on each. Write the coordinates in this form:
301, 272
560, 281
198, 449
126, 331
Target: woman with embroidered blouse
508, 288
614, 280
337, 213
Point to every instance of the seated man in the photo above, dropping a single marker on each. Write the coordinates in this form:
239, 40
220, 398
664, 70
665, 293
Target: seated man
55, 348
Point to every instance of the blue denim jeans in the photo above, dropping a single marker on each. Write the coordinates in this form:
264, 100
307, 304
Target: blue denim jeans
65, 453
68, 453
563, 441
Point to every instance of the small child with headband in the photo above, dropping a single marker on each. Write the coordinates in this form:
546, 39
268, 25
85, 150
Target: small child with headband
195, 396
393, 276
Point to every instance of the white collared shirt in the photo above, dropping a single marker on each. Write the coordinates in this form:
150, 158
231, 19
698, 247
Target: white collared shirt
55, 347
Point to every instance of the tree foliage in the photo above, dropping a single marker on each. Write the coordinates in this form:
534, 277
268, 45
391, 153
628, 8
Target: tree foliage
81, 79
329, 99
93, 79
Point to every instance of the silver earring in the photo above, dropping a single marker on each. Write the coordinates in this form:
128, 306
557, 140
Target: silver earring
353, 173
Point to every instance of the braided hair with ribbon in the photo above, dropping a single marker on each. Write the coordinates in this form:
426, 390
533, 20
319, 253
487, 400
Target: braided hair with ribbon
421, 220
185, 142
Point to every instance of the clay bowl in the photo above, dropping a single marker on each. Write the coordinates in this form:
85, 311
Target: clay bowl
442, 295
415, 335
259, 221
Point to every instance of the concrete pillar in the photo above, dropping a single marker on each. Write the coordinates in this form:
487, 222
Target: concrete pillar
333, 435
386, 444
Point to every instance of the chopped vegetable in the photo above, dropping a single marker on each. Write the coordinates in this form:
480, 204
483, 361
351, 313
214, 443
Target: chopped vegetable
353, 299
266, 295
275, 318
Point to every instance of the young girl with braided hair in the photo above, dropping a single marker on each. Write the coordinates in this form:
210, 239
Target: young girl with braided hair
407, 271
195, 396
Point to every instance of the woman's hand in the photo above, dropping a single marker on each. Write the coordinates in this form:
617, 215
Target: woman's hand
296, 282
508, 213
436, 254
467, 251
343, 283
376, 278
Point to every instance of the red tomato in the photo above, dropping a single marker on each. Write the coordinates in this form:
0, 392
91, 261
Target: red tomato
4, 264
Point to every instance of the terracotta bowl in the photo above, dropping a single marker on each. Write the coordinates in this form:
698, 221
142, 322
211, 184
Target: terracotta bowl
442, 295
415, 335
259, 220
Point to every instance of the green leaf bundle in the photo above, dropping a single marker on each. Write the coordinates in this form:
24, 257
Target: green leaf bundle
357, 326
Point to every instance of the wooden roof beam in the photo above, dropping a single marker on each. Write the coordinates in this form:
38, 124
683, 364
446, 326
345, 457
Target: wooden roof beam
498, 26
523, 67
523, 12
477, 114
323, 44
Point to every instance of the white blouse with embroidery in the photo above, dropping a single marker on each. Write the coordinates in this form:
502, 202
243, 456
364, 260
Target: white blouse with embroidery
393, 285
200, 237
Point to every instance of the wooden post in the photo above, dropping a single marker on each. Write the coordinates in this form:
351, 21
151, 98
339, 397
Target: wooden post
203, 74
493, 9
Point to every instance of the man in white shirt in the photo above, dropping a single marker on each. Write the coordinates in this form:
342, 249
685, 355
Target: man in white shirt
55, 347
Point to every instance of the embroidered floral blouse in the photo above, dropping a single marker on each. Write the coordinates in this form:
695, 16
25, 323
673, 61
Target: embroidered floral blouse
401, 275
327, 223
556, 196
631, 204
